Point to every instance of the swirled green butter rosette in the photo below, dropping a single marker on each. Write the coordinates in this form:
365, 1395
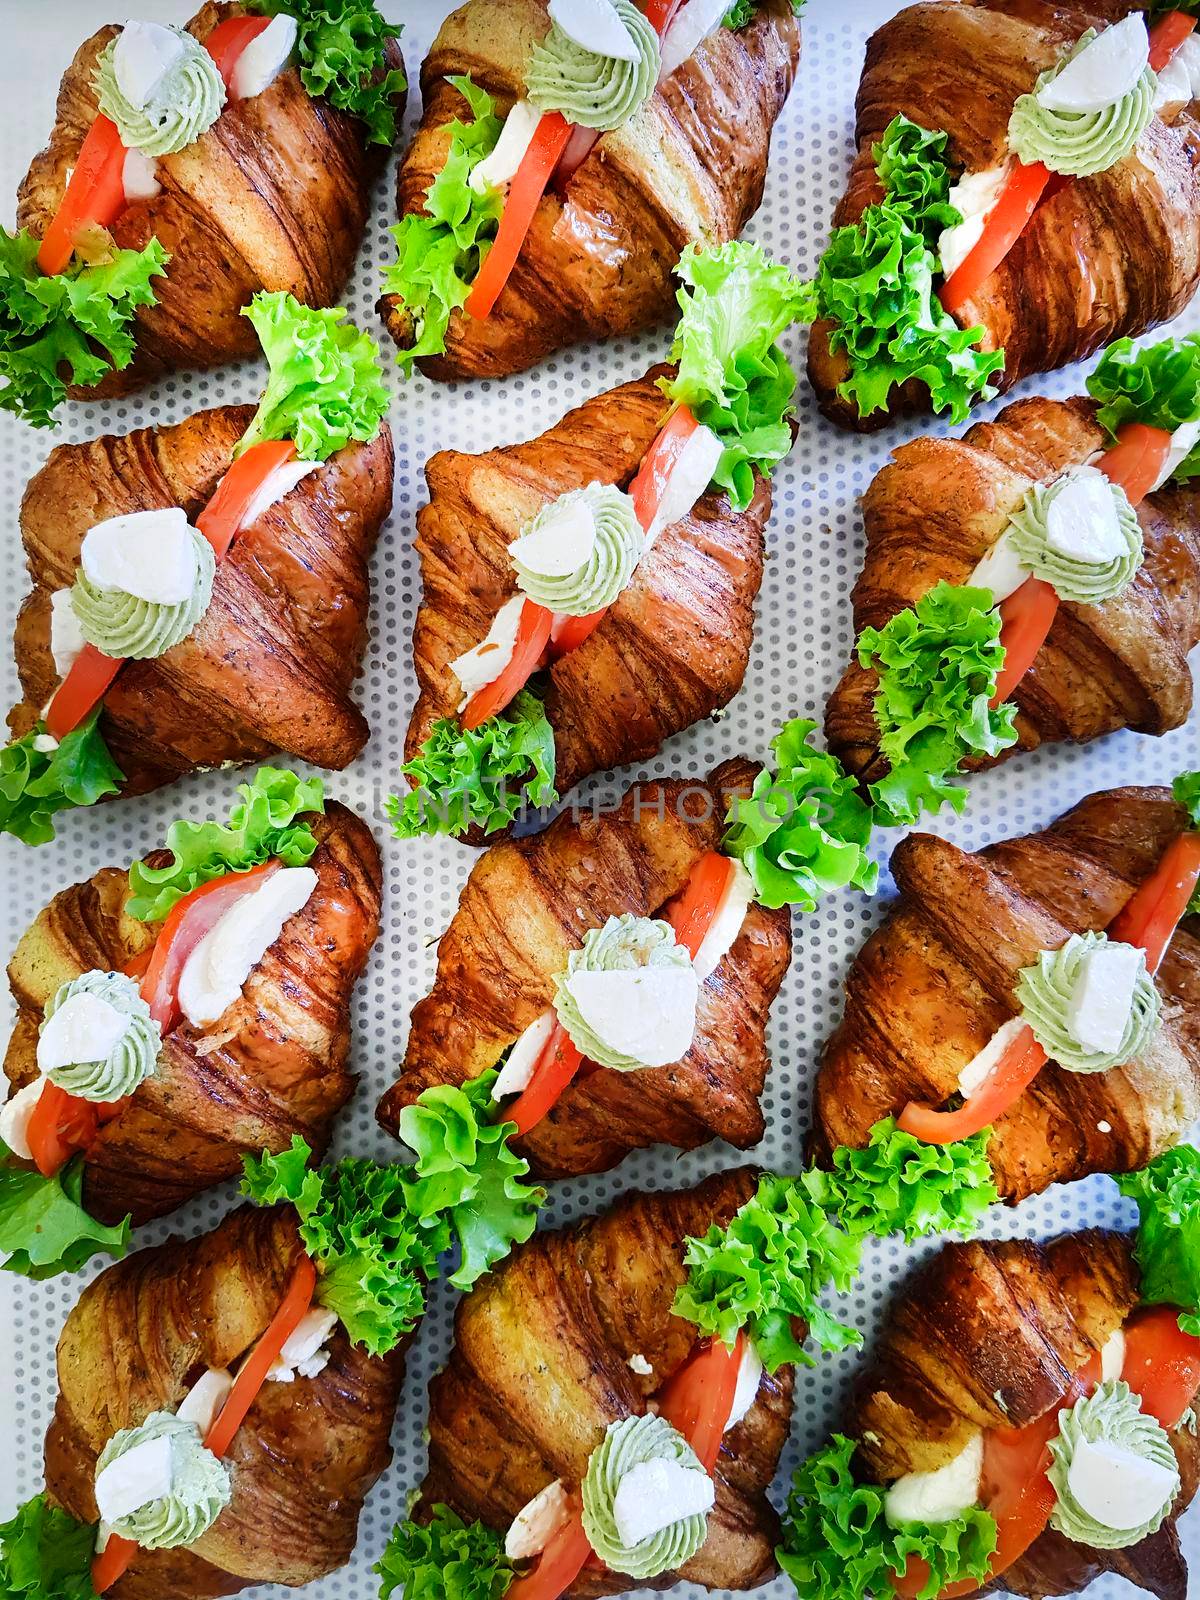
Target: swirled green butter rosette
1044, 991
130, 1061
183, 105
1080, 143
593, 90
200, 1485
623, 944
1073, 578
1110, 1416
124, 625
596, 582
630, 1444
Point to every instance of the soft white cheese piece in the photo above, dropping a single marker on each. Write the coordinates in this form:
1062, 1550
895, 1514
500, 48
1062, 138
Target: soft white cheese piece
66, 636
999, 570
535, 1524
941, 1495
1117, 1487
275, 486
654, 1494
205, 1398
977, 1069
745, 1393
1081, 520
214, 973
638, 1363
304, 1352
500, 166
1098, 1010
645, 1013
139, 176
484, 662
692, 24
727, 923
1112, 1356
14, 1118
973, 196
85, 1027
522, 1058
1103, 71
595, 25
134, 1479
1179, 80
46, 743
692, 475
264, 58
563, 540
149, 554
1183, 440
142, 56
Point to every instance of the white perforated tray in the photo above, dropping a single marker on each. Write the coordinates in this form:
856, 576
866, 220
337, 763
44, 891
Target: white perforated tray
802, 644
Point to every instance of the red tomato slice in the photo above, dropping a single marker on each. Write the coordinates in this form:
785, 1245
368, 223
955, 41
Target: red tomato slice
262, 1358
1006, 223
1166, 37
95, 196
1026, 619
524, 196
693, 911
573, 631
661, 13
1136, 461
224, 513
112, 1562
1151, 915
552, 1072
81, 691
1005, 1084
698, 1399
1162, 1363
659, 462
533, 632
61, 1124
559, 1564
229, 39
189, 920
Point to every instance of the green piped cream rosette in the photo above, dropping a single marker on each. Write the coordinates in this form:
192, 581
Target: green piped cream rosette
126, 626
632, 1443
185, 103
592, 90
623, 944
1110, 1416
618, 541
1080, 143
1072, 578
200, 1485
1044, 991
128, 1062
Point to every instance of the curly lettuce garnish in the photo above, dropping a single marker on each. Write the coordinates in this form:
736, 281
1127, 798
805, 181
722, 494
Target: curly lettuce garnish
838, 1545
441, 249
1167, 1251
45, 1554
36, 784
482, 777
736, 303
742, 12
875, 285
447, 1560
1158, 387
937, 665
265, 824
326, 385
803, 829
341, 45
79, 319
44, 1228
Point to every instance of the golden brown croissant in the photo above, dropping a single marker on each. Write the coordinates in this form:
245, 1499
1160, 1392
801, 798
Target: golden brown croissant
986, 1336
671, 649
935, 982
540, 1368
938, 506
689, 167
274, 1065
271, 663
1106, 256
302, 1462
274, 196
526, 905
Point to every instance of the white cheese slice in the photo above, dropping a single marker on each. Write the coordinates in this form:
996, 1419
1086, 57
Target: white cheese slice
727, 923
85, 1027
484, 662
148, 554
692, 24
1179, 80
973, 196
1117, 1487
142, 56
536, 1523
750, 1371
638, 1363
1112, 1356
205, 1398
1000, 569
14, 1117
275, 487
654, 1494
561, 543
304, 1352
214, 973
135, 1479
595, 25
690, 479
645, 1013
980, 1065
517, 1070
139, 176
264, 58
1081, 520
66, 636
941, 1495
1103, 71
46, 743
1098, 1010
500, 166
1183, 439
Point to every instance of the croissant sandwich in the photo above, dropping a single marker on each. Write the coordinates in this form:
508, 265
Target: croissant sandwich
1025, 191
591, 593
200, 591
187, 171
1025, 1424
566, 155
1038, 1001
1036, 580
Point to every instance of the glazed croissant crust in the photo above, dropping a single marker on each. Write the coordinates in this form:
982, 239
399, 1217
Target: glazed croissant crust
275, 195
302, 1462
688, 167
527, 905
540, 1368
935, 982
988, 1335
274, 1064
671, 649
1105, 256
935, 510
271, 663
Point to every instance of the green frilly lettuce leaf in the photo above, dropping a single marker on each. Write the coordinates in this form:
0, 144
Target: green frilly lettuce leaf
341, 44
45, 1554
44, 1229
1158, 386
35, 785
1186, 790
742, 12
447, 1560
1168, 1238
